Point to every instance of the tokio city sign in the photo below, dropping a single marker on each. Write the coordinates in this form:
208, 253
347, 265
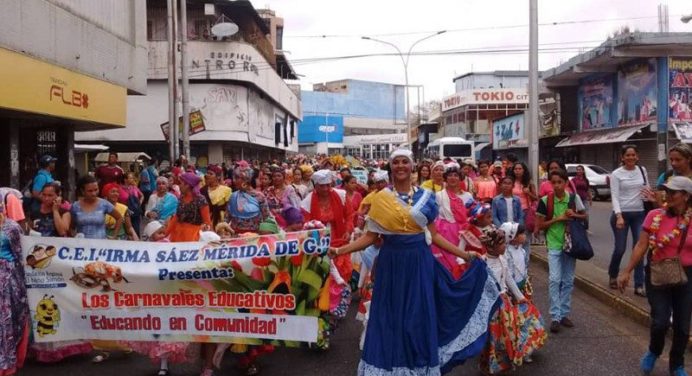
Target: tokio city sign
485, 96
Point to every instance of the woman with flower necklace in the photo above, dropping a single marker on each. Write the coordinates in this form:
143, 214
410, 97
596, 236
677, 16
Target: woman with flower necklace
666, 235
422, 321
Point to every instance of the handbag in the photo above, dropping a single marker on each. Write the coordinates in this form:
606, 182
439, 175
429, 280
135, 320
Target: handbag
669, 271
530, 217
648, 205
577, 243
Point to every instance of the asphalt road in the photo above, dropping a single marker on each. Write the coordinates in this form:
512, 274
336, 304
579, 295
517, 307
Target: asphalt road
604, 342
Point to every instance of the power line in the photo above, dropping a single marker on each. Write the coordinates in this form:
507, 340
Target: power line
408, 33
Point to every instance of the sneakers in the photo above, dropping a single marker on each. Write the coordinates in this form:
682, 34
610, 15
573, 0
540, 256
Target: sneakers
555, 327
567, 323
639, 291
680, 371
648, 362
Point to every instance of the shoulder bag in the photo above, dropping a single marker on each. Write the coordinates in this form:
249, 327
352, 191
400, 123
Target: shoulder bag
669, 272
648, 205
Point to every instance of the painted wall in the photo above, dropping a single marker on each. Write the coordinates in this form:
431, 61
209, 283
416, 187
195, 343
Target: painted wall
104, 39
363, 100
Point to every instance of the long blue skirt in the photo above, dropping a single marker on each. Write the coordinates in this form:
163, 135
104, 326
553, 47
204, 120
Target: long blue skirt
423, 321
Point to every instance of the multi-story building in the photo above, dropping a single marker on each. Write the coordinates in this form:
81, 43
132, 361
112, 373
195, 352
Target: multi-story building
634, 89
65, 66
236, 88
353, 117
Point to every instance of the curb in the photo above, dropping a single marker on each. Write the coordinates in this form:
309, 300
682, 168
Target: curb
630, 310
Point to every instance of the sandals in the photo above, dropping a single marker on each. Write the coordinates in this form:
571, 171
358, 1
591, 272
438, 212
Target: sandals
102, 357
163, 372
639, 291
613, 284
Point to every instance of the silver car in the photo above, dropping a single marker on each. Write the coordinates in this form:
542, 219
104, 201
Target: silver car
599, 179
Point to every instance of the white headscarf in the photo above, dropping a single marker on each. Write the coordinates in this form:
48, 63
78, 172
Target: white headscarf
323, 177
510, 230
401, 152
452, 165
438, 164
381, 175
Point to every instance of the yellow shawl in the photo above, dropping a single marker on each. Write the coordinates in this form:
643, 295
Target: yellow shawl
391, 214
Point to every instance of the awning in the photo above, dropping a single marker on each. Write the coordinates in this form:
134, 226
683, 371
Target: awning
684, 131
604, 136
122, 157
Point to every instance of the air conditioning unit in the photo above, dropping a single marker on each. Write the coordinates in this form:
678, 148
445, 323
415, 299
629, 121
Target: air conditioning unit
209, 10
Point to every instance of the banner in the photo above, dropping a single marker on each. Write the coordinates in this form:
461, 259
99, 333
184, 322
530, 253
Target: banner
637, 93
261, 289
595, 97
196, 125
680, 93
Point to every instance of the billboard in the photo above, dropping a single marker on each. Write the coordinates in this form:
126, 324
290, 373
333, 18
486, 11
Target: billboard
637, 93
595, 97
321, 128
485, 96
680, 78
509, 132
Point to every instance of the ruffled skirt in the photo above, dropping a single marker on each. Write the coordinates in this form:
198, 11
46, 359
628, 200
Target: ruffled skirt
422, 321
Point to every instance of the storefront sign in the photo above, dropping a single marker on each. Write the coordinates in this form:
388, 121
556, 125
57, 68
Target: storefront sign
637, 93
229, 61
485, 96
321, 128
31, 85
264, 287
196, 125
595, 97
509, 132
680, 70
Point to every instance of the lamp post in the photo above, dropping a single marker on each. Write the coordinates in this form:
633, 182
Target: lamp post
405, 62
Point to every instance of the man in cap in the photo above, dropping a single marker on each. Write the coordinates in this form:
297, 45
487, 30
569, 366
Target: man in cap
43, 177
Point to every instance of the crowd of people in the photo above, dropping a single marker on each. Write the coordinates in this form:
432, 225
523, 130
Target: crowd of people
443, 246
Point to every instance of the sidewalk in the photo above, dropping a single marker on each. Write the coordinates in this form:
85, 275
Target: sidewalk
594, 281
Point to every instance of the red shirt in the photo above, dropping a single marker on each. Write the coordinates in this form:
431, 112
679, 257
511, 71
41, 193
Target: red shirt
667, 225
107, 174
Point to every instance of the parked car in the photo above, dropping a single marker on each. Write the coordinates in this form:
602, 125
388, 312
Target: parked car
599, 179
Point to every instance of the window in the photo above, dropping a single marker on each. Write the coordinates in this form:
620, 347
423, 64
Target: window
456, 151
150, 29
279, 38
201, 29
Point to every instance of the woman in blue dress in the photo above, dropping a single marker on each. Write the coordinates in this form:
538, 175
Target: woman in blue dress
422, 320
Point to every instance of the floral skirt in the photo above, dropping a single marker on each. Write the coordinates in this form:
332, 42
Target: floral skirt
14, 318
500, 353
532, 334
51, 352
175, 352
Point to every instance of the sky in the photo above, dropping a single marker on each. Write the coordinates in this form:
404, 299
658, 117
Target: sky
568, 27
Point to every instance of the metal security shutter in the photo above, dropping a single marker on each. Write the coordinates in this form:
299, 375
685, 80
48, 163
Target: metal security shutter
648, 157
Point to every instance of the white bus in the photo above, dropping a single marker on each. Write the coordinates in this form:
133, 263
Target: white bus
451, 147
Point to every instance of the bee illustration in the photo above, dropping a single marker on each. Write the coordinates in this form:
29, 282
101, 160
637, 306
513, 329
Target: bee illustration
47, 316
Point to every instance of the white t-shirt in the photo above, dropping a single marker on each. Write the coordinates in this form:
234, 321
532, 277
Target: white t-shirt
625, 189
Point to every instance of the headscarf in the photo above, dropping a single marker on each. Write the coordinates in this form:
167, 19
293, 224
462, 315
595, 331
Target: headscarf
270, 226
401, 152
323, 177
192, 180
162, 179
216, 169
243, 171
492, 238
292, 216
437, 164
106, 190
452, 166
151, 228
510, 230
381, 175
479, 211
305, 169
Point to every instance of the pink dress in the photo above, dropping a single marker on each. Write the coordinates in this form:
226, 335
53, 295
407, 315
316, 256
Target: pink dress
453, 215
485, 189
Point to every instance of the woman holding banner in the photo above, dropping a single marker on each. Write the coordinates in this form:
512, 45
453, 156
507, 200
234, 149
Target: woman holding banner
14, 308
422, 321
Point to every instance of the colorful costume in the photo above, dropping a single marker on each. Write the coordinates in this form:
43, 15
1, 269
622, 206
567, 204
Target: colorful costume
246, 210
422, 321
453, 215
14, 308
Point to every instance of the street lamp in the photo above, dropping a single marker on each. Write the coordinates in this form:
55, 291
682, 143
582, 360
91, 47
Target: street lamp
405, 62
686, 19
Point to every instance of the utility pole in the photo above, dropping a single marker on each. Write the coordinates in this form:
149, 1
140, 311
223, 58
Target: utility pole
533, 90
185, 79
172, 120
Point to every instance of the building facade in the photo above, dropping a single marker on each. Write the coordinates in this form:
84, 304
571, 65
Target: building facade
353, 117
633, 89
480, 98
237, 92
66, 66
